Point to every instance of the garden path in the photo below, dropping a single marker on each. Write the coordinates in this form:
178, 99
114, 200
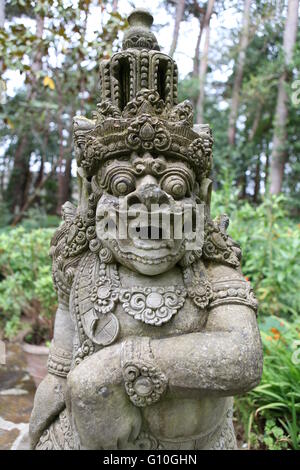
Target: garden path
17, 389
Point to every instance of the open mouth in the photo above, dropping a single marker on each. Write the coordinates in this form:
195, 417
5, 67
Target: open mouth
148, 255
149, 237
152, 242
150, 232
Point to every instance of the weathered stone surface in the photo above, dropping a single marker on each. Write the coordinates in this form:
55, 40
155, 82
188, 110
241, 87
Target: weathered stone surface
154, 332
17, 390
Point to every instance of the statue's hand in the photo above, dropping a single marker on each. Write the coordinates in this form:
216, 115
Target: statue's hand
104, 415
104, 364
48, 402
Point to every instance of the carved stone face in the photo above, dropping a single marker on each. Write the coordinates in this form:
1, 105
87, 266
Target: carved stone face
135, 214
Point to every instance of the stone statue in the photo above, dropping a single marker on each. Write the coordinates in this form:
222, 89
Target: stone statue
152, 339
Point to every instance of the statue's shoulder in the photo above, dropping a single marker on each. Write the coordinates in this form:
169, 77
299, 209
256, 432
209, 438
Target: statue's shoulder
229, 286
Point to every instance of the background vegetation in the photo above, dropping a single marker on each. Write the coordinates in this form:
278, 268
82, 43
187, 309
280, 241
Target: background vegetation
243, 80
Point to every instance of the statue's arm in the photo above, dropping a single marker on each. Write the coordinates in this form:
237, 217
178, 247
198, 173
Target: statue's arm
225, 359
50, 396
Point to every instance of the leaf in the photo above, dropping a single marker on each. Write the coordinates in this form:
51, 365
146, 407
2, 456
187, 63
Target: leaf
272, 406
48, 82
9, 123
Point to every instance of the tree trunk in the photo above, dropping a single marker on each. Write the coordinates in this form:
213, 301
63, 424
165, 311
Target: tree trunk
251, 136
255, 123
196, 61
257, 181
242, 184
32, 198
239, 74
115, 6
279, 153
18, 186
65, 156
204, 62
178, 19
37, 60
266, 179
64, 184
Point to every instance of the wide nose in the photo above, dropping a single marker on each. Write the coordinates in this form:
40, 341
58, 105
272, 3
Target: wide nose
148, 194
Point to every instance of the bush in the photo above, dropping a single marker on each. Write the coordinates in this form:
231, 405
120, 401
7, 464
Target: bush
26, 291
270, 243
271, 412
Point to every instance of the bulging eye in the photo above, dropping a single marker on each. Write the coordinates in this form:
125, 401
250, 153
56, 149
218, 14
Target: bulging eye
175, 186
122, 185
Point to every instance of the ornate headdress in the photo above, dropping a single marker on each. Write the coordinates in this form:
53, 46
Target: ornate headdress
138, 109
138, 113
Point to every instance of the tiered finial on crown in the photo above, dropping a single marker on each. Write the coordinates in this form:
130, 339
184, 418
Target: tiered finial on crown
140, 65
139, 35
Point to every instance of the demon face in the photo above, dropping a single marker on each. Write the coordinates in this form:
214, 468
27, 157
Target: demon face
146, 212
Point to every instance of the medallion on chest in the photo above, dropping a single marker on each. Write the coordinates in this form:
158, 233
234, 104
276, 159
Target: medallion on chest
99, 290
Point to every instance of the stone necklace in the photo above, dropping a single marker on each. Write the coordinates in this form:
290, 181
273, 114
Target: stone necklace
150, 305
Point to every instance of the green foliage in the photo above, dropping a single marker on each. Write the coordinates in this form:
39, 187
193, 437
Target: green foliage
271, 252
37, 218
26, 289
271, 412
188, 89
271, 249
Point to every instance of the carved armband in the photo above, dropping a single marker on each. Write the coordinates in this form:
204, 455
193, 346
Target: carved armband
233, 291
59, 361
144, 381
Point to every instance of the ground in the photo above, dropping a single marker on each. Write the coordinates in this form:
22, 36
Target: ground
17, 389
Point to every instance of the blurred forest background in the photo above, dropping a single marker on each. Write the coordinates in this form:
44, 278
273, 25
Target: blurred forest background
239, 63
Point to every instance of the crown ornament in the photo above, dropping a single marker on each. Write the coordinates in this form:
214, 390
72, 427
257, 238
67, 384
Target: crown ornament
138, 111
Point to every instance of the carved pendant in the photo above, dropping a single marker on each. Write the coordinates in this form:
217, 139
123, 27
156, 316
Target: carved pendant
104, 325
104, 329
93, 304
152, 305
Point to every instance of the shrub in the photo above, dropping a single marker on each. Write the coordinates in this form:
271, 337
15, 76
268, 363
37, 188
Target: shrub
270, 243
26, 291
271, 412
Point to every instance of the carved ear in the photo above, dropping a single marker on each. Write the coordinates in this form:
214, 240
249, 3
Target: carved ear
205, 192
82, 128
95, 187
68, 211
84, 190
